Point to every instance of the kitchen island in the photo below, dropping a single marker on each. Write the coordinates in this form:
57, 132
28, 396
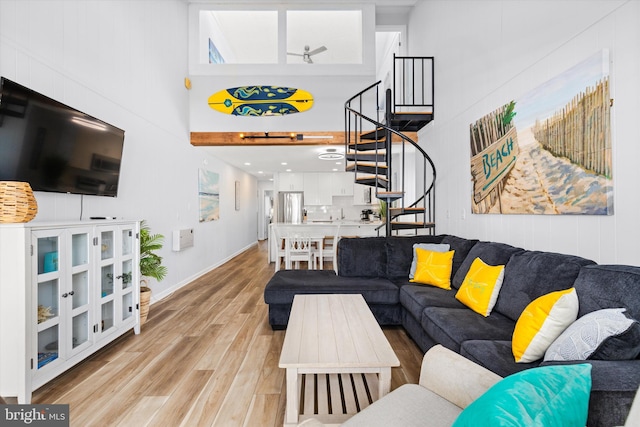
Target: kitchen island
323, 228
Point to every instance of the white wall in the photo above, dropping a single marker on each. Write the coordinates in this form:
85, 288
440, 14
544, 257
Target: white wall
124, 62
490, 52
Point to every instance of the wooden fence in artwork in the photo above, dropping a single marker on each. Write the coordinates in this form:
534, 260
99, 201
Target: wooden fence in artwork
581, 131
484, 132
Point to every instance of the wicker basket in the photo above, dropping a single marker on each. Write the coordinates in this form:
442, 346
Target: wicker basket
145, 300
17, 202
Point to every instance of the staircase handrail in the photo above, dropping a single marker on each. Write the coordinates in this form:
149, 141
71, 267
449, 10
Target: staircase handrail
401, 135
361, 93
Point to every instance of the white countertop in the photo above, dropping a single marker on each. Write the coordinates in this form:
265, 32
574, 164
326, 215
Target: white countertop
334, 222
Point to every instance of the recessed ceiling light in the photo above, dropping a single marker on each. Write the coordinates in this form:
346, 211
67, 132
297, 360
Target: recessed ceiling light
247, 164
287, 170
284, 163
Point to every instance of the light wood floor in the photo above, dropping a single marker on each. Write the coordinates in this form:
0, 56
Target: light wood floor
206, 357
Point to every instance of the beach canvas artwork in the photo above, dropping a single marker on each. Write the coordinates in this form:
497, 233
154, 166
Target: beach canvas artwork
209, 195
548, 152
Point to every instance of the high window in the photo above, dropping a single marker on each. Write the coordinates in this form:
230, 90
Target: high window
238, 37
278, 37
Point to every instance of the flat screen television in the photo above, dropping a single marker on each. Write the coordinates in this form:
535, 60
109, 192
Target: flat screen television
54, 147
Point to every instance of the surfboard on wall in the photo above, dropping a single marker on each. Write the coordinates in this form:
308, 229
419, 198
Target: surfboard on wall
261, 101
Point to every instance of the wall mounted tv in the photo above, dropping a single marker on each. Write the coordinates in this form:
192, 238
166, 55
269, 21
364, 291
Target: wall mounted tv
54, 147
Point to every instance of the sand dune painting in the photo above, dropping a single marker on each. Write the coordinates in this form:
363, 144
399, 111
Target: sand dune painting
548, 152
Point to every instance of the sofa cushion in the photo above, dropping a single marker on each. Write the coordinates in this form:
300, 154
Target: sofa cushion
495, 355
490, 252
433, 268
551, 396
609, 286
480, 288
541, 322
409, 406
605, 334
462, 247
531, 274
399, 253
452, 326
362, 257
414, 298
286, 283
385, 314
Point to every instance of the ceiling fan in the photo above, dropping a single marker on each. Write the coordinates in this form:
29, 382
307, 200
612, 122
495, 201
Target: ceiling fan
306, 56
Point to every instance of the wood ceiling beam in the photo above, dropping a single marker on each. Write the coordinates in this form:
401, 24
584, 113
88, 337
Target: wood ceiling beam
211, 139
274, 138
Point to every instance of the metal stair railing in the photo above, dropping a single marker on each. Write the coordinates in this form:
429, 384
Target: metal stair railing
415, 94
354, 123
353, 137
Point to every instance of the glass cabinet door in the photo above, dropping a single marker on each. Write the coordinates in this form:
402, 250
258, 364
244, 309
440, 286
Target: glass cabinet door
48, 322
106, 244
47, 250
127, 263
118, 273
108, 278
78, 295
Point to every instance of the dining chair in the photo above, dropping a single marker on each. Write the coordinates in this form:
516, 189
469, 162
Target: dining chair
281, 252
329, 250
299, 248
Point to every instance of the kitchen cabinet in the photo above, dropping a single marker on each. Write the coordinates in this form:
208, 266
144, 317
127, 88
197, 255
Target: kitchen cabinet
317, 189
320, 187
291, 181
342, 183
362, 194
66, 290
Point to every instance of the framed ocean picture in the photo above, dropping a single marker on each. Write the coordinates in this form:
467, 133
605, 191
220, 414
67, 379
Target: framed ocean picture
209, 195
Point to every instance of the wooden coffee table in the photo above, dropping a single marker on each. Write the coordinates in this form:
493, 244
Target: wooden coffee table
337, 358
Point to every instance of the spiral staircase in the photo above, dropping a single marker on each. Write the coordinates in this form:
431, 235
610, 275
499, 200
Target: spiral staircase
380, 127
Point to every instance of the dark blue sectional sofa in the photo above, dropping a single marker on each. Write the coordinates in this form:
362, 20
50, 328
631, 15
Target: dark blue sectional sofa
378, 268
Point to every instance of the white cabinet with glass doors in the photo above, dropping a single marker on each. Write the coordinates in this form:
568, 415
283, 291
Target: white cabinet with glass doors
81, 292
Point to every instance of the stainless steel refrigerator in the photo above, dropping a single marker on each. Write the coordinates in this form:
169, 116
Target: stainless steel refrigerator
290, 207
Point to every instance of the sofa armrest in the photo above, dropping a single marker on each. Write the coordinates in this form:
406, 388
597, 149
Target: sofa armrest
633, 418
453, 377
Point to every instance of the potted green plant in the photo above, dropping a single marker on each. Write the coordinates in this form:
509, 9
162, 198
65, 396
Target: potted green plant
150, 266
382, 209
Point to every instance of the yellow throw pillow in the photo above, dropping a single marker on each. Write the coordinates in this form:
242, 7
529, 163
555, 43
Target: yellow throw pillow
433, 268
480, 288
541, 322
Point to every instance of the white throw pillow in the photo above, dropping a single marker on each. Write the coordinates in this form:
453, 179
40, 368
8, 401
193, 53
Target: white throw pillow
435, 247
584, 336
